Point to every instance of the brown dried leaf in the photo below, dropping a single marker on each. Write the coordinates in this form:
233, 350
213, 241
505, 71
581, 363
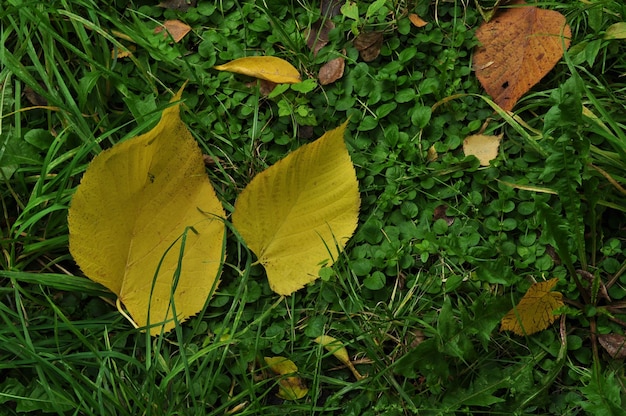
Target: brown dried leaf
440, 214
317, 36
180, 5
330, 8
34, 98
176, 28
368, 44
417, 21
614, 344
332, 71
519, 47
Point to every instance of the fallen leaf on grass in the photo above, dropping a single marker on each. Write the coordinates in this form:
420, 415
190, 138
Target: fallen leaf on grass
332, 70
180, 5
368, 44
146, 223
614, 344
317, 36
483, 146
336, 348
534, 312
290, 387
177, 29
417, 21
616, 31
518, 48
268, 68
299, 213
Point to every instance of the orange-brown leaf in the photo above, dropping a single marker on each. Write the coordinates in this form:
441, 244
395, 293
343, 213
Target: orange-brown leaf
332, 71
534, 312
518, 48
176, 28
417, 21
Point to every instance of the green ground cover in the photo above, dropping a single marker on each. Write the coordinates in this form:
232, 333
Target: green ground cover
443, 250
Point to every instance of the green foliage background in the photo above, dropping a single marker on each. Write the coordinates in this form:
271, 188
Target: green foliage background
417, 299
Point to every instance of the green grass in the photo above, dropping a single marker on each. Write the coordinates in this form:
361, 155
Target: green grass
417, 301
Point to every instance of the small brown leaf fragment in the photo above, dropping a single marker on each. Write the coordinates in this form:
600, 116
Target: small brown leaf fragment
614, 344
265, 86
440, 214
368, 44
330, 8
180, 5
317, 35
34, 98
518, 48
417, 21
177, 29
332, 71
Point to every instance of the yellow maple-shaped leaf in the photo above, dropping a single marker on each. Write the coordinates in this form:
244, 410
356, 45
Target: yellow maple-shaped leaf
136, 205
268, 68
335, 347
534, 312
483, 146
290, 387
299, 213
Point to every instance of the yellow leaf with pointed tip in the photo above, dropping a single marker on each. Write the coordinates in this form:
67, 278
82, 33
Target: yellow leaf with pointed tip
291, 387
534, 312
484, 147
268, 68
336, 348
300, 213
145, 210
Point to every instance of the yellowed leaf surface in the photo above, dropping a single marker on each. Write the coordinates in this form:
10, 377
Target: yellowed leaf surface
518, 48
268, 68
616, 31
534, 312
335, 347
290, 387
136, 204
483, 146
298, 214
176, 28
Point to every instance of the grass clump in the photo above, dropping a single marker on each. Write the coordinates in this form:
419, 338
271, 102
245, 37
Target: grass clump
444, 247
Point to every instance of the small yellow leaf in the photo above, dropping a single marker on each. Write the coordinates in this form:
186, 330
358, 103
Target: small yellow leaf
335, 347
300, 213
484, 147
136, 205
616, 31
291, 387
268, 68
535, 310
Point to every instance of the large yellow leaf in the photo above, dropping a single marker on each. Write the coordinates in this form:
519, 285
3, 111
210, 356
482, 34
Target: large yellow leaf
297, 214
136, 203
268, 68
535, 310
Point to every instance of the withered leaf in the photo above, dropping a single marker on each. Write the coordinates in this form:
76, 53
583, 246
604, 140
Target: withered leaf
440, 214
180, 5
518, 48
332, 71
417, 21
614, 344
177, 29
317, 36
368, 44
330, 8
